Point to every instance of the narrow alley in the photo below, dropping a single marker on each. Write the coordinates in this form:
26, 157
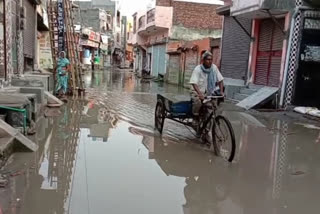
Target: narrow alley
101, 155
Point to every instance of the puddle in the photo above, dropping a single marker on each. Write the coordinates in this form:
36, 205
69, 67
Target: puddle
102, 155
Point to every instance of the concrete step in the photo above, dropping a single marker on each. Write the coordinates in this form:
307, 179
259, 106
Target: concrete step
6, 148
240, 96
248, 91
255, 87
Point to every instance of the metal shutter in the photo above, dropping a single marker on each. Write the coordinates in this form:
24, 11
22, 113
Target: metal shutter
29, 32
174, 69
235, 48
162, 59
158, 60
155, 61
269, 53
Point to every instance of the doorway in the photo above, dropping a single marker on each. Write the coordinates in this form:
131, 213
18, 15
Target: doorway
308, 75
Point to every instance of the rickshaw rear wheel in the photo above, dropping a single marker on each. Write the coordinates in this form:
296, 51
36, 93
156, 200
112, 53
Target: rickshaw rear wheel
159, 116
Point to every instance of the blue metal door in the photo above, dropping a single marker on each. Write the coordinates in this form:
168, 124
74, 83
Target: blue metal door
158, 60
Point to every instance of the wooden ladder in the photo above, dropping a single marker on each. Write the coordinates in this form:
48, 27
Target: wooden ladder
71, 43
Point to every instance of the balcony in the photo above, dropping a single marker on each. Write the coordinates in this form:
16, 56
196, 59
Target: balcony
156, 20
260, 8
151, 15
142, 23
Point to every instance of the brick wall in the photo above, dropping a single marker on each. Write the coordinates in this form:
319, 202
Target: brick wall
191, 61
165, 3
196, 16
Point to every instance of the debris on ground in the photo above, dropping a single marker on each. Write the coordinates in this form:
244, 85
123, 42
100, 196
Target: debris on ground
32, 128
16, 173
308, 111
298, 173
309, 126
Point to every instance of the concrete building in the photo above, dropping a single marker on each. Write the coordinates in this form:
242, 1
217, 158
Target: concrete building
95, 18
20, 21
115, 22
91, 20
171, 21
21, 24
129, 48
43, 56
274, 44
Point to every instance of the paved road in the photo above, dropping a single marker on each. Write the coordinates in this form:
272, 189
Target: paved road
101, 155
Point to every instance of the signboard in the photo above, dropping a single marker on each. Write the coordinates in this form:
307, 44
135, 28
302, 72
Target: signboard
93, 36
45, 57
89, 43
45, 18
60, 20
104, 39
104, 47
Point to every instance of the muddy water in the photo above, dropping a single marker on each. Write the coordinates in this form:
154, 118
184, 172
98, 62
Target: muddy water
101, 155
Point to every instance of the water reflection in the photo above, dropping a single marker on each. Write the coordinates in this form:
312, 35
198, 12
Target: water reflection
102, 155
269, 170
51, 184
120, 81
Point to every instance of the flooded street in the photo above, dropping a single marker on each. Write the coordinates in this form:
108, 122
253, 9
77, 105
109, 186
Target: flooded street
101, 155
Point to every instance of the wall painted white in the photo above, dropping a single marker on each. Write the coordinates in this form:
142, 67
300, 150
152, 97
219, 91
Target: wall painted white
215, 2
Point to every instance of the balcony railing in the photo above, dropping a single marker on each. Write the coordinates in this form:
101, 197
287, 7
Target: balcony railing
142, 22
151, 16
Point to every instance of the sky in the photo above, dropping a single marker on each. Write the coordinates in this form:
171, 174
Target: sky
129, 7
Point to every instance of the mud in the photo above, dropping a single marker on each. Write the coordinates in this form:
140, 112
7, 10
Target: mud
102, 155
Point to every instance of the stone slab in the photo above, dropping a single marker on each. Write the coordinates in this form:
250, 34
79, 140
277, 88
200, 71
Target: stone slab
23, 140
6, 148
53, 100
39, 91
260, 96
26, 83
46, 79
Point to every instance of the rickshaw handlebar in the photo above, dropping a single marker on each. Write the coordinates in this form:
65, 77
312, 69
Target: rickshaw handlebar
209, 98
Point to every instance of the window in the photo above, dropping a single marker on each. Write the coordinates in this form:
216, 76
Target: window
118, 19
134, 24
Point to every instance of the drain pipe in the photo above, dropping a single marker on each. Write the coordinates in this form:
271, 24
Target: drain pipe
285, 76
23, 111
